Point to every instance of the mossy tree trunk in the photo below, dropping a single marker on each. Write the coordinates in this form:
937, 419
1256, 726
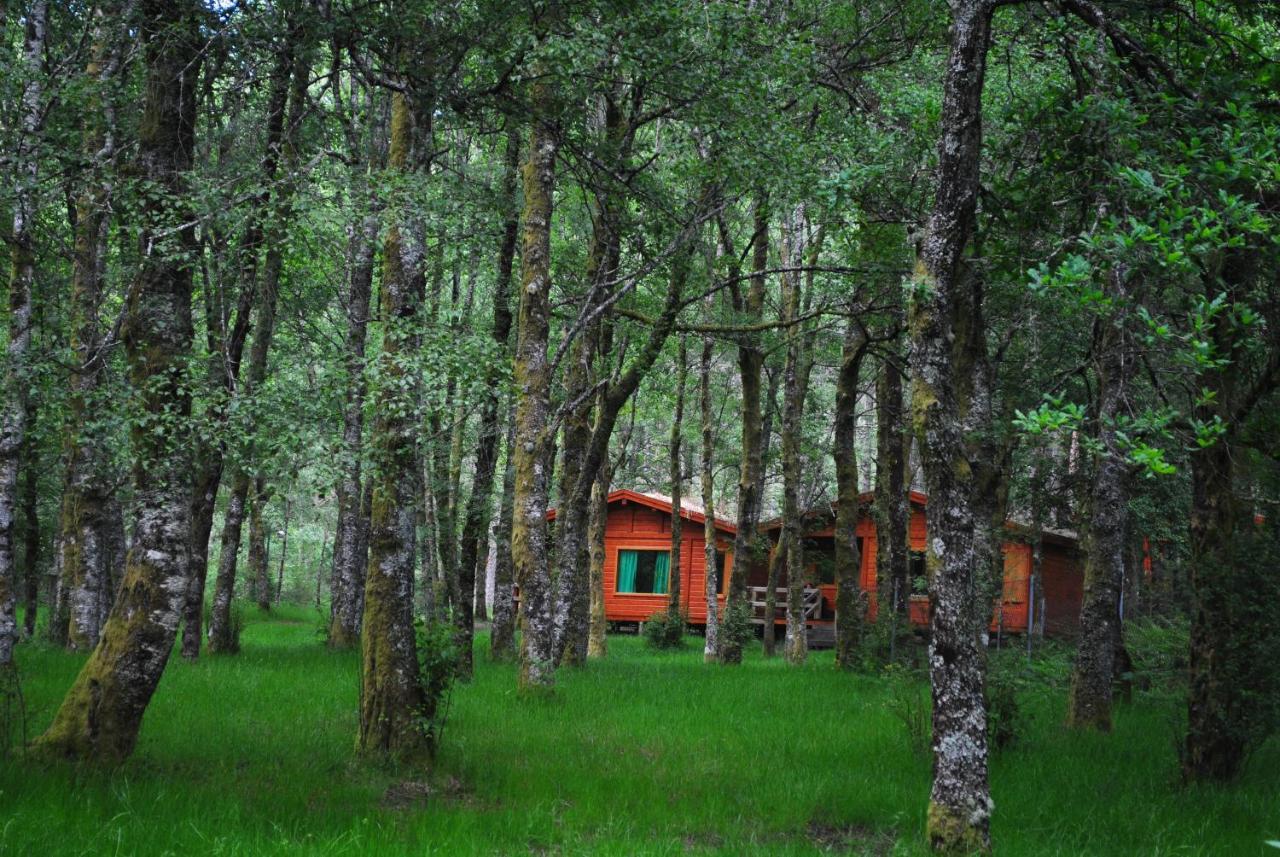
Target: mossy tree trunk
711, 650
747, 546
532, 372
795, 391
597, 640
848, 559
100, 716
392, 702
89, 481
946, 328
579, 468
475, 533
1105, 525
572, 615
16, 402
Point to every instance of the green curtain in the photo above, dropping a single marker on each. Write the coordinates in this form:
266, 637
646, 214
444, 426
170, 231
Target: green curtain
661, 571
627, 561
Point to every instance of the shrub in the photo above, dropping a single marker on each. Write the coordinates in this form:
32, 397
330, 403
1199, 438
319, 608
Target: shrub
438, 657
665, 630
735, 625
237, 623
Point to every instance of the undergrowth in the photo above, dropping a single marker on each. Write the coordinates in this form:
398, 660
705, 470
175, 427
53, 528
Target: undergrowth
642, 753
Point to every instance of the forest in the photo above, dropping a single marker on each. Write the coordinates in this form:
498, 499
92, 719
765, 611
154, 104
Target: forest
669, 427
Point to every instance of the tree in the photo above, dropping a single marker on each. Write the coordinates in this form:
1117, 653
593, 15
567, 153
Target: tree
100, 716
947, 341
392, 700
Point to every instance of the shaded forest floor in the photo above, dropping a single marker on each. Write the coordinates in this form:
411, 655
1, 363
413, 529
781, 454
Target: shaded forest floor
642, 753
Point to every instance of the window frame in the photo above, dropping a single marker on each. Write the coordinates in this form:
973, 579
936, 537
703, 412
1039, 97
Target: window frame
617, 565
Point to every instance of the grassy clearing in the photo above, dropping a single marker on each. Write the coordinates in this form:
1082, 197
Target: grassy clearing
643, 753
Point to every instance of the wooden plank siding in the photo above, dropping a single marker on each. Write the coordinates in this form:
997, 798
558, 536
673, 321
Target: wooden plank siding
642, 522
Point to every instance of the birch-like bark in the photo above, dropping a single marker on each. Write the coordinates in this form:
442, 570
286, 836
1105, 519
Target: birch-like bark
945, 327
475, 533
100, 716
15, 402
711, 647
392, 702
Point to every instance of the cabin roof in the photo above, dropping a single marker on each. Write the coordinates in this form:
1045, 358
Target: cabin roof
823, 513
662, 503
1015, 524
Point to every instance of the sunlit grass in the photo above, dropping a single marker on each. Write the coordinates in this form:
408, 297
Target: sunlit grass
642, 753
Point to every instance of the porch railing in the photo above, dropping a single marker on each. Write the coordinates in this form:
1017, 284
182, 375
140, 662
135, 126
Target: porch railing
812, 602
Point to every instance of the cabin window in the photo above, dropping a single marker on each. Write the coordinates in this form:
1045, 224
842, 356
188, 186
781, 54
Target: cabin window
643, 572
919, 576
720, 561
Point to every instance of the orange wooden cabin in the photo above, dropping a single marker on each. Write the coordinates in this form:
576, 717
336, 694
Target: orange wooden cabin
637, 541
637, 550
1057, 603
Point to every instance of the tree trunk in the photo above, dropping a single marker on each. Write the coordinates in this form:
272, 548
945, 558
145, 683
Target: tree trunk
533, 381
475, 534
31, 534
502, 631
945, 326
89, 480
1224, 663
773, 576
392, 702
848, 559
16, 398
221, 634
598, 641
100, 716
795, 391
736, 626
284, 550
674, 611
1105, 528
350, 552
711, 650
226, 353
892, 498
259, 542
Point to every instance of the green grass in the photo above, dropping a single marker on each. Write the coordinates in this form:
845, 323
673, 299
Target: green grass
642, 753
